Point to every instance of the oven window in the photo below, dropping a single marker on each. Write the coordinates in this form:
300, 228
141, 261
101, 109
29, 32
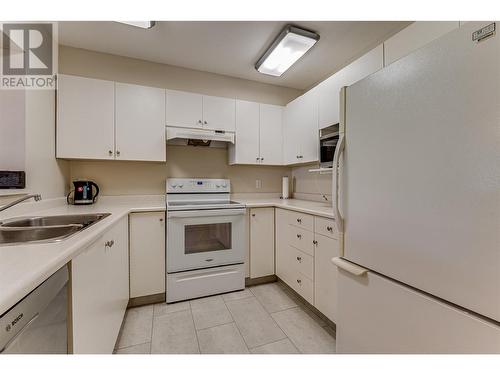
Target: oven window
327, 149
207, 237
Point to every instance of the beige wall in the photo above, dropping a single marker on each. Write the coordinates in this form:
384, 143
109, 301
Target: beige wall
119, 177
44, 174
123, 69
311, 185
115, 177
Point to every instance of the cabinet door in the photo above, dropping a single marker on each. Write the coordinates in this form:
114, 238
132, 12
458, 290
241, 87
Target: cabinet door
140, 123
246, 147
218, 113
325, 276
329, 90
271, 134
415, 36
184, 109
308, 134
85, 118
99, 292
261, 242
147, 253
291, 136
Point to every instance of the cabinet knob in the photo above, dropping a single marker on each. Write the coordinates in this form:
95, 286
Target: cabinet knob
253, 215
299, 259
161, 219
261, 159
299, 236
315, 242
109, 243
299, 221
199, 122
257, 159
299, 281
329, 229
110, 153
205, 122
117, 153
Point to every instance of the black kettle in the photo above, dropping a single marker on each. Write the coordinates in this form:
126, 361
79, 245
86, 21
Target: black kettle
82, 193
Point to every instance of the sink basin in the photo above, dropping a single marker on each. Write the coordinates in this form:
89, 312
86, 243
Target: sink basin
45, 228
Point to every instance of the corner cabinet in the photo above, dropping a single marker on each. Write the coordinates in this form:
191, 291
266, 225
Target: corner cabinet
259, 134
147, 253
261, 242
300, 132
107, 120
100, 292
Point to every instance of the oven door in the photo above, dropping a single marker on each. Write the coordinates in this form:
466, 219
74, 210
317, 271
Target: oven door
205, 238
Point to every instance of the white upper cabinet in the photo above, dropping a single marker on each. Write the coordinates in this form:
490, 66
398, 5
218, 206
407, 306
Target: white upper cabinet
415, 36
85, 118
259, 134
218, 113
300, 133
140, 123
328, 90
246, 147
184, 109
271, 134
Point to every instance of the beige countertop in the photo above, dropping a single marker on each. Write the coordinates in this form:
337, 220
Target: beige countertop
25, 266
309, 207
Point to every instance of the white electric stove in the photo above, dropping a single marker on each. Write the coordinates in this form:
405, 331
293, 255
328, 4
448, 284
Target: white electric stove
205, 239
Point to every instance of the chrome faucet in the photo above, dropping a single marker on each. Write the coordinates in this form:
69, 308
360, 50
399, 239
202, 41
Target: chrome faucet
36, 197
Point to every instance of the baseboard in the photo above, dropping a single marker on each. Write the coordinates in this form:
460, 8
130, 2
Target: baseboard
146, 300
260, 280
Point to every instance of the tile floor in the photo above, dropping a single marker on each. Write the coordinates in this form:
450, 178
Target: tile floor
262, 319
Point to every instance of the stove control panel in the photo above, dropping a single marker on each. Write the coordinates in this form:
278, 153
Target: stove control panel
198, 185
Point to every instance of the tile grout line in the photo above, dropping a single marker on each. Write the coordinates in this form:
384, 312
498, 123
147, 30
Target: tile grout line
152, 328
236, 324
194, 326
288, 337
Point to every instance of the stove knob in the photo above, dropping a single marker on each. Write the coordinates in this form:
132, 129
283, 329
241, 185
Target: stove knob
173, 185
224, 185
217, 185
181, 185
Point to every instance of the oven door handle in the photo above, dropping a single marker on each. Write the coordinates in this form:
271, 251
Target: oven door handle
206, 213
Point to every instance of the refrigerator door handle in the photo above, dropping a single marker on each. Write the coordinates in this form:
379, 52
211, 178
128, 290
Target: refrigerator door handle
339, 221
349, 267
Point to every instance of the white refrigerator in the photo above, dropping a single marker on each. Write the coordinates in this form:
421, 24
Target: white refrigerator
417, 187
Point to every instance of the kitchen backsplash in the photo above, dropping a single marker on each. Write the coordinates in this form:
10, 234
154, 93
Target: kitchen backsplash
311, 185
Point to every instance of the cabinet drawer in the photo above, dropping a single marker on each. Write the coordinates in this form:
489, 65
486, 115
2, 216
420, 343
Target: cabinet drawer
303, 286
301, 239
326, 227
303, 262
300, 220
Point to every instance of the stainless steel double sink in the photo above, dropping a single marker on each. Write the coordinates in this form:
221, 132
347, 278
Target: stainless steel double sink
45, 228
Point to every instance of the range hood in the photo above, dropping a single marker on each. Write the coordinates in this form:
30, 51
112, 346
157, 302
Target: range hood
199, 135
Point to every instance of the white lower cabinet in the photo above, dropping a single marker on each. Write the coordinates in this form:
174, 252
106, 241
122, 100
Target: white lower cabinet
261, 242
325, 277
100, 292
305, 245
378, 315
147, 253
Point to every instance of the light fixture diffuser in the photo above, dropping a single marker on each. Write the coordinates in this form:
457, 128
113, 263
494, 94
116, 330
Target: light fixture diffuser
290, 45
141, 24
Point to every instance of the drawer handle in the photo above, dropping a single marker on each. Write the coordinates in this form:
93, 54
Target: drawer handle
299, 221
299, 236
315, 242
329, 229
299, 259
299, 281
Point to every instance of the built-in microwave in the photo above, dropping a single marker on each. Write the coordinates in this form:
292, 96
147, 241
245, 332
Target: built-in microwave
327, 143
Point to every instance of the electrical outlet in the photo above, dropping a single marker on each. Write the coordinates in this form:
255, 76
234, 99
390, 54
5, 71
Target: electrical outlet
258, 184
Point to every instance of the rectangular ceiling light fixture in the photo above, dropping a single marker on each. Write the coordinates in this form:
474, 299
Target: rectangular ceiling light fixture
141, 24
290, 45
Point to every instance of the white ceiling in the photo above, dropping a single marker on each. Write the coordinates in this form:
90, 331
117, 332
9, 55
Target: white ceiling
231, 48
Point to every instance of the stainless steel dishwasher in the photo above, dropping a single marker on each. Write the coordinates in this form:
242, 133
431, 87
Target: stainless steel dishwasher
38, 323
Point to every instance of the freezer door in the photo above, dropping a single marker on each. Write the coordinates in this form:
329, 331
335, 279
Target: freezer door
421, 176
377, 315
